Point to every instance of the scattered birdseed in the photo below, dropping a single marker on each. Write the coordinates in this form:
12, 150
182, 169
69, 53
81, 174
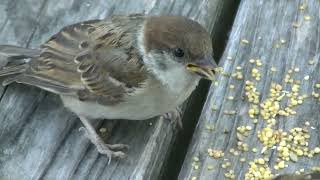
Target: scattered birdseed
196, 159
311, 62
230, 174
258, 62
290, 145
258, 171
307, 18
306, 78
293, 157
103, 130
251, 92
215, 153
307, 123
236, 153
210, 167
256, 74
302, 7
316, 169
254, 150
295, 25
244, 41
232, 112
226, 165
210, 127
242, 146
214, 107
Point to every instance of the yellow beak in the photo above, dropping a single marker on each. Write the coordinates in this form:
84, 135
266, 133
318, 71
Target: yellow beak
205, 68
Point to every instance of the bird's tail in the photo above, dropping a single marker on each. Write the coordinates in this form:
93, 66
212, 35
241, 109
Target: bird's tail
14, 60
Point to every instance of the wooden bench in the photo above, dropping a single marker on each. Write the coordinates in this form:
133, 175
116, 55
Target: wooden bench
285, 37
39, 139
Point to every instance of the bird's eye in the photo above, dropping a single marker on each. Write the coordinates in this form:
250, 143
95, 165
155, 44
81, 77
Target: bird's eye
178, 52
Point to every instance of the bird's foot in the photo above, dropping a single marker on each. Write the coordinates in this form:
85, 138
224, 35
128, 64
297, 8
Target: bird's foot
175, 115
110, 150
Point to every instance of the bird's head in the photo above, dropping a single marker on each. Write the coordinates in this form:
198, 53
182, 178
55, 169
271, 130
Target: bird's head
178, 42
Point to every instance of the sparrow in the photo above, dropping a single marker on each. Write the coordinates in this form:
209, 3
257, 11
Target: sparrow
123, 67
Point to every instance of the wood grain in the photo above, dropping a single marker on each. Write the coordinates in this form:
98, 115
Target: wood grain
273, 36
39, 139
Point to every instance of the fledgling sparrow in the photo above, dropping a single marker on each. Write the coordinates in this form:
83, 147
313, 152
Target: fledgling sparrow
124, 67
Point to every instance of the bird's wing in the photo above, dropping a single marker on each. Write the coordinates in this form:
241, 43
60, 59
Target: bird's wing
93, 60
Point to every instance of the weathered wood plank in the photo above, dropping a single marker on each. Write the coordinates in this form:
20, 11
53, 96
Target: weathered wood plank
284, 35
39, 139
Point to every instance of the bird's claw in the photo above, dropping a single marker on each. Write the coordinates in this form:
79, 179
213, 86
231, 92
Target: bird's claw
107, 149
110, 150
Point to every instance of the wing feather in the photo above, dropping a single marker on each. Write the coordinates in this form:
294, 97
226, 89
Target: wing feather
93, 60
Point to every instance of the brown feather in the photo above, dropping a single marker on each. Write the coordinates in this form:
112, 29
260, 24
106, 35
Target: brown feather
178, 32
94, 60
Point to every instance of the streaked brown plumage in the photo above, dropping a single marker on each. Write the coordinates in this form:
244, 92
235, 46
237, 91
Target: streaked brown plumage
123, 67
99, 52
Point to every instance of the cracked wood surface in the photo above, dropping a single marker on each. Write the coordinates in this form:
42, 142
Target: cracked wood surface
39, 139
264, 24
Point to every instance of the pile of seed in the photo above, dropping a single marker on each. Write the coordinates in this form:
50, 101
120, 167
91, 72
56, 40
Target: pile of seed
289, 145
281, 103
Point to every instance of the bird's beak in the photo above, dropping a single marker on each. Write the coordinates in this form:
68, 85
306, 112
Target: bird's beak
204, 67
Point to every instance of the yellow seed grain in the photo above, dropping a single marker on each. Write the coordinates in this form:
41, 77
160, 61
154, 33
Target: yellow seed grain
244, 41
261, 161
196, 159
311, 62
302, 7
295, 24
307, 18
254, 150
281, 165
210, 167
